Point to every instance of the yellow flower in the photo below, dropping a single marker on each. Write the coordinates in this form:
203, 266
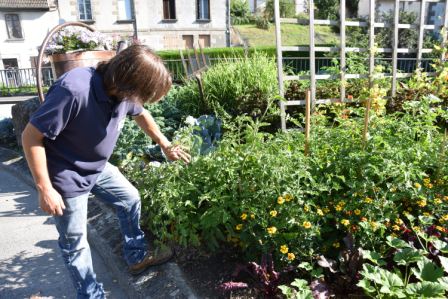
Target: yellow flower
239, 227
284, 249
306, 224
357, 212
426, 214
243, 216
363, 219
288, 197
319, 212
373, 225
445, 198
273, 213
398, 221
437, 201
341, 203
445, 217
421, 203
272, 230
416, 228
336, 245
280, 200
291, 256
439, 228
368, 200
326, 210
429, 186
306, 208
426, 180
338, 208
345, 222
393, 189
417, 185
252, 216
395, 227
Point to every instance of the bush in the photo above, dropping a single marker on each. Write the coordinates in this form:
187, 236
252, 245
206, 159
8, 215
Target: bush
262, 23
240, 12
287, 9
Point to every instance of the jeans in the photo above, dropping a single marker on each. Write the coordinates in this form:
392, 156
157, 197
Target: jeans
113, 188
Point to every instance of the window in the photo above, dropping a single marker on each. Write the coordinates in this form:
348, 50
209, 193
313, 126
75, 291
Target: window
125, 10
169, 9
85, 10
13, 26
203, 10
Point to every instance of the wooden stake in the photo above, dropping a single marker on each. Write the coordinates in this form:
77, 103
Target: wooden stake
307, 121
366, 122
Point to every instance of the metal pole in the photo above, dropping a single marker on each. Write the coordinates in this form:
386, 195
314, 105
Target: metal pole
134, 22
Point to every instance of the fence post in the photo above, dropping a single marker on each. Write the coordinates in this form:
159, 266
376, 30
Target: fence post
421, 32
278, 42
395, 47
312, 55
342, 50
307, 122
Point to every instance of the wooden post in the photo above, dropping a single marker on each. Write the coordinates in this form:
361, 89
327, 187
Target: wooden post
366, 122
342, 64
312, 54
395, 46
307, 121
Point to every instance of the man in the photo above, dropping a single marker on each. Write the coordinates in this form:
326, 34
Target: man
68, 142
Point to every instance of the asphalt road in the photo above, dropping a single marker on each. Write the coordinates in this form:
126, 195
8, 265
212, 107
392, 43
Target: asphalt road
30, 262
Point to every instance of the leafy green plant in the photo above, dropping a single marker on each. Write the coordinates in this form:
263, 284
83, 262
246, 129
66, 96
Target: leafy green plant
239, 12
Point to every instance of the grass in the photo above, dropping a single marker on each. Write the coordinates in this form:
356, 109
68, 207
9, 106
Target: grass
292, 34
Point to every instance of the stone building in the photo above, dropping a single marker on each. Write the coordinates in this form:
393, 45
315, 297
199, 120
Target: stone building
161, 24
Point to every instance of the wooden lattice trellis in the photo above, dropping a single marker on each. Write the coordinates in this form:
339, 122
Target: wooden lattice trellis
342, 49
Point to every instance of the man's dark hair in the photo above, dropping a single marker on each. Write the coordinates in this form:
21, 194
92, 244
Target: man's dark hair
136, 73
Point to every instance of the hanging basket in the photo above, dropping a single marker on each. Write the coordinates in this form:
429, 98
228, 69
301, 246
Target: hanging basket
62, 63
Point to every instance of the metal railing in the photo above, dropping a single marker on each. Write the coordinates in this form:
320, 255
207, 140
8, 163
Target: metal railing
15, 81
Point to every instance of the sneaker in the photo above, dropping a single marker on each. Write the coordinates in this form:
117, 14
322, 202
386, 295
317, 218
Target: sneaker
159, 256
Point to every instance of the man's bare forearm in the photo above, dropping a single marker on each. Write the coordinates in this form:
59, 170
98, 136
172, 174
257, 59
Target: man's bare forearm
149, 126
32, 141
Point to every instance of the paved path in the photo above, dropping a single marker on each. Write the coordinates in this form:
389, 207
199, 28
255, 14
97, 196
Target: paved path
16, 99
30, 263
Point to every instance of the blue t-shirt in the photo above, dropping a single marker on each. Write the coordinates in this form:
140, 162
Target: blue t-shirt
81, 125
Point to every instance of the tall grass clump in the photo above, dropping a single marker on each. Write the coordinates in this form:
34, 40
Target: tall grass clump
240, 86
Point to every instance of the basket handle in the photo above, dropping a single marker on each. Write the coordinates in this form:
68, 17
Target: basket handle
42, 51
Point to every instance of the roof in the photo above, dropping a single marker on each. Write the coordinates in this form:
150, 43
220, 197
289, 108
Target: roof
28, 4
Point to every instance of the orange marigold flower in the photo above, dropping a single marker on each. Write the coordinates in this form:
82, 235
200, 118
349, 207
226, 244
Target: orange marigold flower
291, 256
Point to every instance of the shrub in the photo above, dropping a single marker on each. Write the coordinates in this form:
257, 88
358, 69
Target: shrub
262, 23
239, 12
287, 9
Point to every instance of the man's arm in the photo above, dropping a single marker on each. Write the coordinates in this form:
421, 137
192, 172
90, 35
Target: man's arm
50, 200
149, 126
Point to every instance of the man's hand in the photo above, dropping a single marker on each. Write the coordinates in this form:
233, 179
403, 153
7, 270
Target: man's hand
51, 202
174, 153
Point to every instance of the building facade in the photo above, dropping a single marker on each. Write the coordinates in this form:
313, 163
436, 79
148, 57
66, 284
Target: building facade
161, 24
23, 26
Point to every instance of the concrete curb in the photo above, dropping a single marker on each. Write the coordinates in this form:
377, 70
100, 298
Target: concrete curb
164, 281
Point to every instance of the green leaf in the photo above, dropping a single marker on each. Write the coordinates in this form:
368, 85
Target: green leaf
426, 289
444, 263
300, 284
440, 245
306, 266
397, 243
408, 256
427, 271
366, 286
373, 256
